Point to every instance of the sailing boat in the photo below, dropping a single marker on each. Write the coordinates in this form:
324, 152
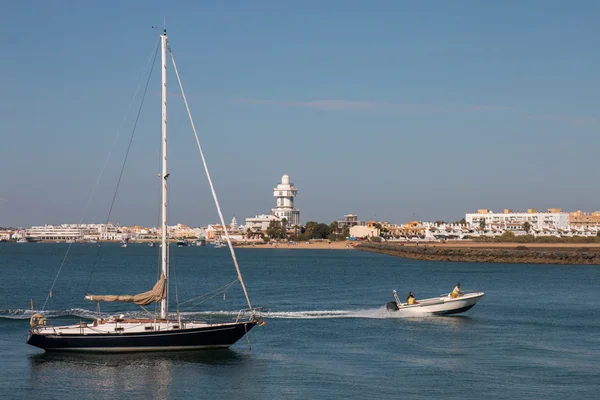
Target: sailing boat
161, 332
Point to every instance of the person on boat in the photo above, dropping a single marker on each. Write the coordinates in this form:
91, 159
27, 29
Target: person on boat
411, 299
457, 292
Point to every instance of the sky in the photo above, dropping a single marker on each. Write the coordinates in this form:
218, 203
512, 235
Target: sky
392, 110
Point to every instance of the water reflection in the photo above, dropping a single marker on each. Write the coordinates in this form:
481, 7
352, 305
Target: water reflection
453, 322
138, 375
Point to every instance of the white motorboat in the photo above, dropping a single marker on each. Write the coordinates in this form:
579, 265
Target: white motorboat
442, 305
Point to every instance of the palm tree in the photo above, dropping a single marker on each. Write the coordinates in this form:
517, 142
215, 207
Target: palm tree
284, 222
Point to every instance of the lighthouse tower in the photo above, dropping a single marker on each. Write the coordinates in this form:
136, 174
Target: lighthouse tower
285, 193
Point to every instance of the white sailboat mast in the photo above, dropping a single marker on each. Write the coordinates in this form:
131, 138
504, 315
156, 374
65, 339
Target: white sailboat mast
164, 304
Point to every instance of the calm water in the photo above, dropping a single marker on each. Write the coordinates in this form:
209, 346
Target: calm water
536, 333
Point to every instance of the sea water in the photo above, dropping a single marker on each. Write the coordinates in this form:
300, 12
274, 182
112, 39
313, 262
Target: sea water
535, 334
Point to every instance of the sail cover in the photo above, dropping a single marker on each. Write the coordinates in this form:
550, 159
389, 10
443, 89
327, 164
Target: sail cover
143, 299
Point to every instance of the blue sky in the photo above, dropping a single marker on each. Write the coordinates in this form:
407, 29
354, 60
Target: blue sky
393, 110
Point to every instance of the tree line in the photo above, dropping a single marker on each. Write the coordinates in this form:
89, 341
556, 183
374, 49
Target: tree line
281, 230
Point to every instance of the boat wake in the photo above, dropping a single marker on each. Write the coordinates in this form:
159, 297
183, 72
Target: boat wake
373, 313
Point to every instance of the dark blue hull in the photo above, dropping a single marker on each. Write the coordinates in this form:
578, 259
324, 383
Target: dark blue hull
457, 311
220, 336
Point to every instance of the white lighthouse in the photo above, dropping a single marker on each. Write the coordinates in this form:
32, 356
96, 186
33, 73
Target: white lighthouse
285, 193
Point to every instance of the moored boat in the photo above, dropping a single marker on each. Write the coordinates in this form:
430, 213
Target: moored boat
161, 330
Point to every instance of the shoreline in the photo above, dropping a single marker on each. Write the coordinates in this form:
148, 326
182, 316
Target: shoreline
345, 245
506, 253
342, 245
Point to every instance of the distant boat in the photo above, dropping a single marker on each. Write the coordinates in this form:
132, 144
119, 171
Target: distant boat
151, 244
159, 331
22, 236
181, 242
217, 244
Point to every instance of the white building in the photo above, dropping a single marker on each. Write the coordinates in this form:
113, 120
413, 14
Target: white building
285, 193
509, 220
75, 232
56, 232
110, 232
260, 222
6, 235
363, 231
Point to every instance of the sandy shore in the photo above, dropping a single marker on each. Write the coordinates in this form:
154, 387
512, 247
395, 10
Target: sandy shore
345, 245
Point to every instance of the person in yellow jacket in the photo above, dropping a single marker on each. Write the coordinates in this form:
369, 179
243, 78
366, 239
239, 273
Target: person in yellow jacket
457, 292
411, 299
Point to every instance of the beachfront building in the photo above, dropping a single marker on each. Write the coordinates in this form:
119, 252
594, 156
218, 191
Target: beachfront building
584, 219
6, 235
110, 232
363, 231
285, 192
216, 231
412, 229
348, 222
260, 222
181, 231
201, 232
485, 219
75, 232
56, 232
445, 231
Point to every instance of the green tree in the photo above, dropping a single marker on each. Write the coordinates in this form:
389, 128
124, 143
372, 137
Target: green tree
309, 229
321, 231
333, 235
507, 236
481, 224
274, 229
526, 226
333, 227
295, 235
253, 234
284, 226
346, 232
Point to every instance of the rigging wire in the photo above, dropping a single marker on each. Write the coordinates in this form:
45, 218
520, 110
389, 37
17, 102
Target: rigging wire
207, 296
214, 194
171, 263
137, 117
135, 94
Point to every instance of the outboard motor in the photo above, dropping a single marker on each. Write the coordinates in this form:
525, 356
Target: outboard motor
391, 306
